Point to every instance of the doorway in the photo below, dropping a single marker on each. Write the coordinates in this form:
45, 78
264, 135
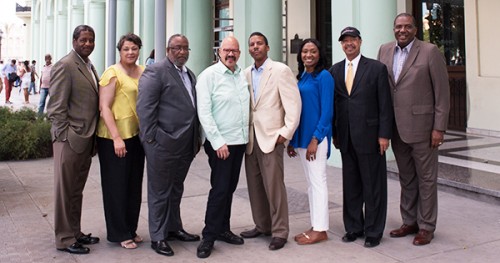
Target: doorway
441, 22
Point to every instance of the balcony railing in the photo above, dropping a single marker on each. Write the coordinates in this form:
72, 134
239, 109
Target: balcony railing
20, 8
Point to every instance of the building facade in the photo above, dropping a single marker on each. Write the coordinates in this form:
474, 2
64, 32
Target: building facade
465, 35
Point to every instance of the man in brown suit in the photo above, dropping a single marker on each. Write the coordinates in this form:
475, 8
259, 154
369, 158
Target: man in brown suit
421, 97
73, 111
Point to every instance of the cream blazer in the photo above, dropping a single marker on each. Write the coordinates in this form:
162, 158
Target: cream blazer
276, 109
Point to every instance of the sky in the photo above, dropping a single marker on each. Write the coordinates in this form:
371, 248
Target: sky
8, 10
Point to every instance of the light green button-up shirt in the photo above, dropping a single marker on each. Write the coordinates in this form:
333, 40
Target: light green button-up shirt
223, 103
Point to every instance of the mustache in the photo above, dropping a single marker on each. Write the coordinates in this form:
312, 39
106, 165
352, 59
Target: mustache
229, 56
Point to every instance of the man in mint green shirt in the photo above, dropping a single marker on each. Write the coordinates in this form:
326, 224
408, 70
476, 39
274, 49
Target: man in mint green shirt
223, 102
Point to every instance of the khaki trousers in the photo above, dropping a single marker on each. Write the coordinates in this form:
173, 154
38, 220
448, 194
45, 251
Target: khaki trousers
267, 192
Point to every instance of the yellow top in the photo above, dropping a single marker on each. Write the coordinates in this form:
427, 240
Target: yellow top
124, 104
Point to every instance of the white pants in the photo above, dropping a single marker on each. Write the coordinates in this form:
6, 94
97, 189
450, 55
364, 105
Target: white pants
317, 189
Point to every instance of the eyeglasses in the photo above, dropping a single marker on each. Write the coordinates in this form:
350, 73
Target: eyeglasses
177, 49
226, 50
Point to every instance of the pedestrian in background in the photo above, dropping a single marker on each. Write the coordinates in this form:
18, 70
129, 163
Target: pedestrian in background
44, 83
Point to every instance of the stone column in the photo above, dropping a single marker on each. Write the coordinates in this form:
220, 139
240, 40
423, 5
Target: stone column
62, 45
96, 19
160, 29
269, 23
125, 17
195, 22
35, 25
374, 19
147, 28
76, 15
111, 34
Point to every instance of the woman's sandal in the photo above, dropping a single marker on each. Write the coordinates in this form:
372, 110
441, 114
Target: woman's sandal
312, 237
128, 244
297, 237
138, 239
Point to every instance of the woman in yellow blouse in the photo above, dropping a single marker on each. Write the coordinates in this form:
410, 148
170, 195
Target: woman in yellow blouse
121, 155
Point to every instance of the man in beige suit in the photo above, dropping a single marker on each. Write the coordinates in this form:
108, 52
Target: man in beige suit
421, 97
73, 111
274, 116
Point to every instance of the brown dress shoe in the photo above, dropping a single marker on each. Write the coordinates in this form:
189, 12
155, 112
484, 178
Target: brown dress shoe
277, 243
253, 233
312, 238
404, 230
423, 237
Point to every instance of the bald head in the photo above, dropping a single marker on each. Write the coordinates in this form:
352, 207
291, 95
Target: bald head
229, 52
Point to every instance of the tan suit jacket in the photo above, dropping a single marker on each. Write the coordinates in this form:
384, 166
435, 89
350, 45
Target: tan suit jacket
276, 109
73, 104
421, 95
73, 109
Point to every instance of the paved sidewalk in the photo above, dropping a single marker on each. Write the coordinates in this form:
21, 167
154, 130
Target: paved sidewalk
467, 230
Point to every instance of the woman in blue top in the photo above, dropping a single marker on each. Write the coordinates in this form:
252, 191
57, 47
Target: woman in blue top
311, 141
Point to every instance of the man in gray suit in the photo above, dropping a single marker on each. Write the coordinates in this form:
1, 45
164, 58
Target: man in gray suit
73, 111
169, 130
421, 97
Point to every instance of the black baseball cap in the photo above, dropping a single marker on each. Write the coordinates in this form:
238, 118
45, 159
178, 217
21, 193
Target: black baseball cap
349, 31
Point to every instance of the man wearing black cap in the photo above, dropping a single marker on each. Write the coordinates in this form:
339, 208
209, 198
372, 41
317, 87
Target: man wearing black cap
363, 127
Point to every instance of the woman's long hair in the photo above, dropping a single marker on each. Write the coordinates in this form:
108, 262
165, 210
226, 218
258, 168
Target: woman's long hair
322, 62
27, 66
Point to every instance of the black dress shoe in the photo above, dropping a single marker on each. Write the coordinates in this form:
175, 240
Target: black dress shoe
351, 236
162, 248
231, 238
253, 233
204, 249
75, 248
88, 239
277, 243
372, 241
182, 235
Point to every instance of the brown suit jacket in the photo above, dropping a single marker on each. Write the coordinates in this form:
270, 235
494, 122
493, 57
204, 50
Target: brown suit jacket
421, 95
73, 106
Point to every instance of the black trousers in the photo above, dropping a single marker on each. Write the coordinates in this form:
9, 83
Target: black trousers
364, 182
223, 179
121, 181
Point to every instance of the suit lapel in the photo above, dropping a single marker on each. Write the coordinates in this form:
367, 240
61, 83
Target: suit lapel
192, 77
266, 74
82, 67
410, 59
390, 66
176, 76
360, 71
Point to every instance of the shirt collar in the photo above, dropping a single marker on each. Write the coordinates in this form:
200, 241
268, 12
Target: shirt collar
223, 69
408, 47
86, 63
355, 61
261, 68
182, 69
